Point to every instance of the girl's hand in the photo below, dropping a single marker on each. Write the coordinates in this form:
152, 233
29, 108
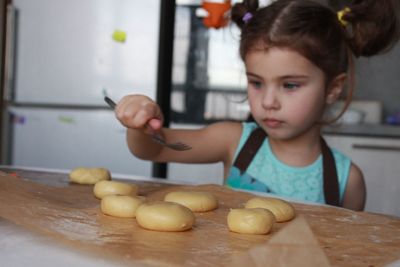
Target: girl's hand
139, 112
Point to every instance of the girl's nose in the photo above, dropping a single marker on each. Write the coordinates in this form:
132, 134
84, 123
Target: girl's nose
270, 99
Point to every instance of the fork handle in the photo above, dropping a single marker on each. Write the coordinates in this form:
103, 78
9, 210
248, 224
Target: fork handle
111, 103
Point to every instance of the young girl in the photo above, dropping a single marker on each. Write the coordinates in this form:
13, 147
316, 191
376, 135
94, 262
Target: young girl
298, 57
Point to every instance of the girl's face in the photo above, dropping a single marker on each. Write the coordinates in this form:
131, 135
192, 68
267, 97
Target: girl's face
286, 92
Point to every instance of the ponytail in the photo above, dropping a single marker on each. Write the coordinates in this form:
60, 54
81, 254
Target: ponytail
372, 26
239, 11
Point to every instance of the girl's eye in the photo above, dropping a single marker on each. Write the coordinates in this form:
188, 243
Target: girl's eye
291, 86
255, 84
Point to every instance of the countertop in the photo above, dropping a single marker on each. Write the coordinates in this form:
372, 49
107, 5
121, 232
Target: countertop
363, 130
20, 247
46, 221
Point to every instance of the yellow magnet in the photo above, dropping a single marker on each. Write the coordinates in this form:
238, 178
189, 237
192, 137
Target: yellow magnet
119, 36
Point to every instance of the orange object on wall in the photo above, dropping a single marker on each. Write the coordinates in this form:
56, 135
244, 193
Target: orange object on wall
216, 13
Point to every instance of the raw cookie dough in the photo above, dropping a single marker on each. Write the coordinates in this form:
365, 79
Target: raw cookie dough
89, 175
250, 221
165, 216
282, 210
121, 206
104, 188
196, 201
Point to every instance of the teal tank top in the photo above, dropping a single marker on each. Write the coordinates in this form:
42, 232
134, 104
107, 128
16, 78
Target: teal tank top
266, 173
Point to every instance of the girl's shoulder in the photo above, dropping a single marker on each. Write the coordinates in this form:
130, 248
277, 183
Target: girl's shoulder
340, 156
248, 128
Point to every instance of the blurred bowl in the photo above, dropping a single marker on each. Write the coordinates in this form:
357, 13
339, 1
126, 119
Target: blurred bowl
352, 116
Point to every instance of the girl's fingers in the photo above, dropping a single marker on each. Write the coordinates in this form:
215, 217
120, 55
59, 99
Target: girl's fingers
155, 124
150, 115
139, 113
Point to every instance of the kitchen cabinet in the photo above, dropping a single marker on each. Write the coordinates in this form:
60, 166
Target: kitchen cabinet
212, 173
196, 173
379, 160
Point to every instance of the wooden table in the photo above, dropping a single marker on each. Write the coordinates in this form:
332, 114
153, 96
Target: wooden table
46, 203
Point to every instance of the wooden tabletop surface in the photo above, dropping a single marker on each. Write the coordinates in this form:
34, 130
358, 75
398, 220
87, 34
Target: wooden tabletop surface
46, 203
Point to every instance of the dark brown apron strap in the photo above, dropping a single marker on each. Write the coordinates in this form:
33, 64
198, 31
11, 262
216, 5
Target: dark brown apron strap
249, 149
331, 183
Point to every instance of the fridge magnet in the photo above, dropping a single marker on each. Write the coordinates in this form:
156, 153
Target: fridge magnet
67, 120
17, 119
218, 13
119, 36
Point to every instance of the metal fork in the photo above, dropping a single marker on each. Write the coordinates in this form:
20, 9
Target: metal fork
179, 146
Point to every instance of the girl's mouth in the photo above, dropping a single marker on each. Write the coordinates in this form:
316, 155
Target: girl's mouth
272, 123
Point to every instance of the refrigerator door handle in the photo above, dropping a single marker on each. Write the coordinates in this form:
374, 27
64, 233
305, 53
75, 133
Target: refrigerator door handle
9, 77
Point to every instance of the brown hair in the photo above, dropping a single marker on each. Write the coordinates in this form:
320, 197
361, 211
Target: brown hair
313, 30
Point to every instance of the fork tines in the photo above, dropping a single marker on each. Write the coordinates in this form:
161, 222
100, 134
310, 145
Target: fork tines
176, 146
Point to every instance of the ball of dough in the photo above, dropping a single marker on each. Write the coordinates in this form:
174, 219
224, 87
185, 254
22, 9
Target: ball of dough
89, 175
250, 221
196, 201
165, 216
120, 206
282, 210
104, 188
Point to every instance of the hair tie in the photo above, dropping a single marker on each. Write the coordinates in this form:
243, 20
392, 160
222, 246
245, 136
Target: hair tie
340, 15
247, 17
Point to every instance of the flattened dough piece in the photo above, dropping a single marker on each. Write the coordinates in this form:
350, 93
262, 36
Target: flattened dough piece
195, 201
165, 216
105, 188
250, 221
121, 206
282, 210
89, 175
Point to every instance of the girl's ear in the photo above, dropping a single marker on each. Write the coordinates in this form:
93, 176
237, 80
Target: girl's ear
335, 88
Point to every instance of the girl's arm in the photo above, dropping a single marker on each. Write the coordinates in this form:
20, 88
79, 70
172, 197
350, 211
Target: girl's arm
355, 194
214, 143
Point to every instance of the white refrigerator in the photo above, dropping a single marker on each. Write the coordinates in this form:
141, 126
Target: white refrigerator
63, 57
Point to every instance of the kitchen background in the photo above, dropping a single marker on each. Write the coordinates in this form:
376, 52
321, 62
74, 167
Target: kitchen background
193, 71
